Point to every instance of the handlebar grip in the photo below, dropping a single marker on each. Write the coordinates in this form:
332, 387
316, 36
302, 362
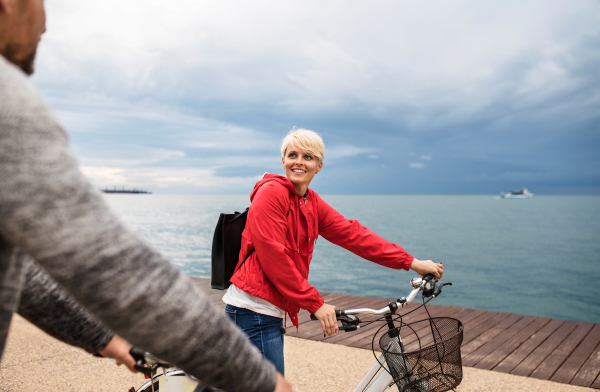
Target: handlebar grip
429, 277
338, 314
137, 354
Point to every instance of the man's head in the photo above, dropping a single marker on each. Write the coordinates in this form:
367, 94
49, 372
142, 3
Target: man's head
22, 23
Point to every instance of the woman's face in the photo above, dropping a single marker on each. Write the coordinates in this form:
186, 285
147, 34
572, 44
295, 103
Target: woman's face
300, 167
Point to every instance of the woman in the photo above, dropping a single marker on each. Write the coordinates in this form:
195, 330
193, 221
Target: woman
284, 222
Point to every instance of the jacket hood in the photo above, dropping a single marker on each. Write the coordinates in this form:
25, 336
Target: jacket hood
273, 177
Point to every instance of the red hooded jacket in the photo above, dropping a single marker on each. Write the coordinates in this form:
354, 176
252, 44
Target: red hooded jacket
283, 228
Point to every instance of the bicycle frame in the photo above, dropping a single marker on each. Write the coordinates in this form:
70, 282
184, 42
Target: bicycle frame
377, 378
375, 383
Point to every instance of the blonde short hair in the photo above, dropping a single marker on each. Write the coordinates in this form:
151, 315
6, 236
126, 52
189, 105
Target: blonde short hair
306, 140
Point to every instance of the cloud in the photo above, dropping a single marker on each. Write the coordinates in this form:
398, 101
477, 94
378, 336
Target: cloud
174, 179
344, 151
416, 165
213, 87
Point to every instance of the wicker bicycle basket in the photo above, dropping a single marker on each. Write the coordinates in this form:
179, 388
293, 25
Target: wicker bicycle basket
427, 357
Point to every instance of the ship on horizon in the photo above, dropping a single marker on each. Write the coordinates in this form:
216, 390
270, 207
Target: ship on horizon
522, 194
123, 190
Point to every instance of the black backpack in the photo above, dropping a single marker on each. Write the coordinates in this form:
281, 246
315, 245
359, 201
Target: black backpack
227, 243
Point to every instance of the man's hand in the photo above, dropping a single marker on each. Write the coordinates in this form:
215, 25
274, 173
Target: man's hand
118, 349
424, 267
326, 315
282, 384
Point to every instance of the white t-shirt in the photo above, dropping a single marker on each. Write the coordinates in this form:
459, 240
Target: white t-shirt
237, 297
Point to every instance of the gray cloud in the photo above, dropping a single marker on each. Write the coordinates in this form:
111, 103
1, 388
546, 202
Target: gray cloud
501, 100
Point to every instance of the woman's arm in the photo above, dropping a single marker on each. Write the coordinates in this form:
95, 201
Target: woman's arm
351, 235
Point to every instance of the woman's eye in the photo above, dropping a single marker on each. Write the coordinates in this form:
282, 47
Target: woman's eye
308, 157
292, 155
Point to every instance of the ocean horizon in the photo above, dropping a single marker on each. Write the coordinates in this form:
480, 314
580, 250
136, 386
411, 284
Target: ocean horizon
539, 256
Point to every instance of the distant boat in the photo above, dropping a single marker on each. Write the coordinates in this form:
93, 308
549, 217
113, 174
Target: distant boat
123, 190
522, 194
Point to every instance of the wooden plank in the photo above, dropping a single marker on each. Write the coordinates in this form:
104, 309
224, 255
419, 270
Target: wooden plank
588, 375
569, 369
491, 332
481, 352
474, 331
514, 359
596, 383
558, 356
533, 360
506, 348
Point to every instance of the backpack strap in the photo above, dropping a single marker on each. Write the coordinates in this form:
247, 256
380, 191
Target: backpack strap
245, 258
252, 250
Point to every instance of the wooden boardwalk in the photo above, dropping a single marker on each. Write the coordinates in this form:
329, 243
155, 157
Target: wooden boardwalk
549, 349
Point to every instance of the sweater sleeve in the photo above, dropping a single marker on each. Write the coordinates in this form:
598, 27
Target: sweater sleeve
51, 212
351, 235
268, 225
48, 307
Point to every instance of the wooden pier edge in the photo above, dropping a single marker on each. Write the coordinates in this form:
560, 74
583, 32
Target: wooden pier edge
549, 349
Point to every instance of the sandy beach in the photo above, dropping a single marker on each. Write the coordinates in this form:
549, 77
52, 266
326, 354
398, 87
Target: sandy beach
34, 361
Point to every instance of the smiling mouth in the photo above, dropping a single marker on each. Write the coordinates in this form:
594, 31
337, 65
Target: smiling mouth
299, 171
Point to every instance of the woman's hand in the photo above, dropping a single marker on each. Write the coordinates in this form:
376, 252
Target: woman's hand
424, 267
326, 315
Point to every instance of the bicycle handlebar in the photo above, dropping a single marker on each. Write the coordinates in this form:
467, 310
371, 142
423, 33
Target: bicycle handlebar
143, 358
427, 284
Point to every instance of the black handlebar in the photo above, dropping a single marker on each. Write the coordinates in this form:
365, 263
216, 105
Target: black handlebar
338, 315
137, 354
350, 322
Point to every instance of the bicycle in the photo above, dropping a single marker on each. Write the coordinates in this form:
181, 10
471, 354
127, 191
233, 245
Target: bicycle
433, 365
171, 379
428, 360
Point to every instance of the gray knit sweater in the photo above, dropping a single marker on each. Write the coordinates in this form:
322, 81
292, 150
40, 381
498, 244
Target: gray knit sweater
45, 304
51, 213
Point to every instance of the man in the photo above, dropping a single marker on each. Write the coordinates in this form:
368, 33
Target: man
50, 213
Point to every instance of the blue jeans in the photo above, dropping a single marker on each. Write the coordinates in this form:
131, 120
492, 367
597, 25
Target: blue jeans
264, 332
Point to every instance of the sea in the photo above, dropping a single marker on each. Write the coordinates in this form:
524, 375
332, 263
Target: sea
538, 256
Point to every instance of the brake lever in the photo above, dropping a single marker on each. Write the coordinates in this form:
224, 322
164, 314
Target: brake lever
438, 289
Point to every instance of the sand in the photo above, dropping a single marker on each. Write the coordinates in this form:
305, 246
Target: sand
34, 361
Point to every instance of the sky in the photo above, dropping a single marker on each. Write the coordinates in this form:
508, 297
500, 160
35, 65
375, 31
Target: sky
410, 97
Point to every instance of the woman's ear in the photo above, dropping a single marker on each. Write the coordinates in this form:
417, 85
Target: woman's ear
319, 167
